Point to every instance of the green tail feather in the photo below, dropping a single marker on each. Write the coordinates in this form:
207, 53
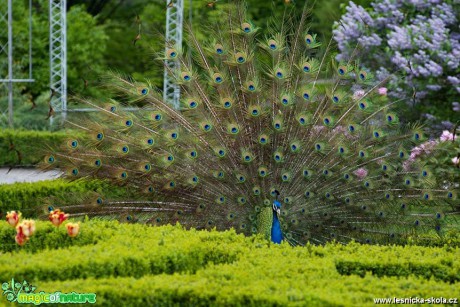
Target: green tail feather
259, 115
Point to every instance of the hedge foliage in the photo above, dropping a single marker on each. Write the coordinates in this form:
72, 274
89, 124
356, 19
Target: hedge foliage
30, 198
129, 265
31, 144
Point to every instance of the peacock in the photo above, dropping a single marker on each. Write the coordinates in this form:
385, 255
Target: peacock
272, 136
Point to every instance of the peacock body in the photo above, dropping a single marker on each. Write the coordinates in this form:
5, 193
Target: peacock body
272, 137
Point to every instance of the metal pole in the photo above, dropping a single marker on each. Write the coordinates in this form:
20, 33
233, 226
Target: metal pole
58, 56
10, 63
30, 39
51, 52
174, 19
64, 58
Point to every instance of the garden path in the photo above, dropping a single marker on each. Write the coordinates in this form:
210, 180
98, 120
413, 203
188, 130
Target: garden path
26, 175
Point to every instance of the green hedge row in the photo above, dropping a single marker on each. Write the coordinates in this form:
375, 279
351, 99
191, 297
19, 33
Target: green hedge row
130, 265
29, 198
132, 250
30, 143
440, 263
259, 283
48, 237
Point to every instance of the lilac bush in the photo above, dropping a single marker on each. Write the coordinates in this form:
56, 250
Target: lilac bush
414, 45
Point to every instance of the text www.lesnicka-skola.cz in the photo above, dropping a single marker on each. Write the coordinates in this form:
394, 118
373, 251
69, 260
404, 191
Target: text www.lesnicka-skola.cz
415, 300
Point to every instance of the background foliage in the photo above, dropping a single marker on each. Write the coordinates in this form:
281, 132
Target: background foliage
100, 38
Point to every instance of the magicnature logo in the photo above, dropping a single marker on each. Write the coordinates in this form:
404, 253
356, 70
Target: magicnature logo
24, 293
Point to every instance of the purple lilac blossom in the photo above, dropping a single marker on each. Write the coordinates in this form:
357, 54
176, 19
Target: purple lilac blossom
420, 38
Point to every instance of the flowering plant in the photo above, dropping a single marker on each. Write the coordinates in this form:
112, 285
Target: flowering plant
439, 154
419, 38
24, 231
57, 217
13, 217
73, 229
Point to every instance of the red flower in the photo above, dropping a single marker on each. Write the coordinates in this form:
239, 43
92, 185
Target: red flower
24, 230
73, 229
13, 218
57, 217
21, 239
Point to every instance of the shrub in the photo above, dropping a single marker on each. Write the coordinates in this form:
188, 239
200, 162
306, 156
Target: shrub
137, 264
30, 144
30, 198
420, 39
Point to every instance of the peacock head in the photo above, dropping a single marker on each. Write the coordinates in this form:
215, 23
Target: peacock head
276, 203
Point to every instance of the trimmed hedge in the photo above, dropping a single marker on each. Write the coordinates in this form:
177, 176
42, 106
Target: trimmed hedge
48, 237
263, 284
127, 252
29, 197
439, 263
30, 143
136, 264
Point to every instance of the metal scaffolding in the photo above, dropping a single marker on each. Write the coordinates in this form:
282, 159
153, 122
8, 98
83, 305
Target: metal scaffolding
174, 18
6, 48
58, 56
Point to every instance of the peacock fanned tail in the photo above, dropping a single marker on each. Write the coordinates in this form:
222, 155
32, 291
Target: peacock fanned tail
259, 116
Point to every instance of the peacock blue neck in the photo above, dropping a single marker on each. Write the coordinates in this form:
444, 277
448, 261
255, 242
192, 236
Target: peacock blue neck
276, 234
